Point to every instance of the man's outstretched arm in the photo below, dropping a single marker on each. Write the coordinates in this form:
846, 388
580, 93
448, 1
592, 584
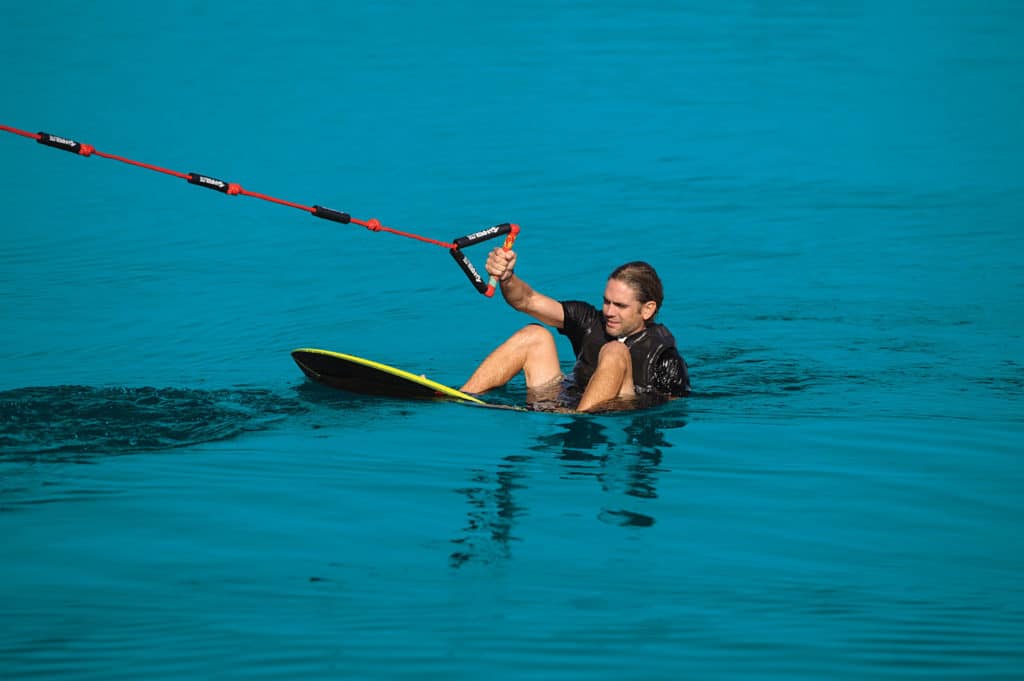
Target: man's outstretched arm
519, 294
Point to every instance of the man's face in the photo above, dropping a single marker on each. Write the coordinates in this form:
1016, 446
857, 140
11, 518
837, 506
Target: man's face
623, 313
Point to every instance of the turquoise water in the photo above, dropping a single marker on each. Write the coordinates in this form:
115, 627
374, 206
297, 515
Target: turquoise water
833, 198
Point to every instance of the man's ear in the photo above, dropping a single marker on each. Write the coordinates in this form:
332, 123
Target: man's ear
648, 309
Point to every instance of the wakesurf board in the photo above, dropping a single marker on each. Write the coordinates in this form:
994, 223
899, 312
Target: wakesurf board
366, 377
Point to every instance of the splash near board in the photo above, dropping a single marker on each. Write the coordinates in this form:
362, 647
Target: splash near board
366, 377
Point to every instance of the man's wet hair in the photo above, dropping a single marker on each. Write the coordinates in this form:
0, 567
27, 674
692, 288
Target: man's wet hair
642, 278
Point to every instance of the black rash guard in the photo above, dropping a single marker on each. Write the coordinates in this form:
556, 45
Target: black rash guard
658, 368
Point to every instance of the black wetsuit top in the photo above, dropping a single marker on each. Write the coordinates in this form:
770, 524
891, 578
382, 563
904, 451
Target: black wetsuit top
658, 368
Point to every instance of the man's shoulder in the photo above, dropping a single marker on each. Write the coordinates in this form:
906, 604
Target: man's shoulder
662, 334
578, 304
670, 375
579, 319
579, 312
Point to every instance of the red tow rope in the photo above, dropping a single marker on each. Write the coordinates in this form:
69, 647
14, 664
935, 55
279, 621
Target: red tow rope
234, 189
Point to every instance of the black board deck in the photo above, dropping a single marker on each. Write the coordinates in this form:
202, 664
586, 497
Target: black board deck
366, 377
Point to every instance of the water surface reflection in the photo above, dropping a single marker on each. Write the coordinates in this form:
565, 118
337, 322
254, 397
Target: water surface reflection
622, 454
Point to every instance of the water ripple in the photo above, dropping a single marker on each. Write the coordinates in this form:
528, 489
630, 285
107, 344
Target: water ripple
67, 422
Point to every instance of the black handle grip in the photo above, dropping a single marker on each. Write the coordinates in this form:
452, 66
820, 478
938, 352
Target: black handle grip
467, 267
208, 182
58, 142
331, 214
483, 235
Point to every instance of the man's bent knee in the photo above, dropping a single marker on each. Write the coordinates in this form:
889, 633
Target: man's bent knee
534, 333
530, 350
614, 351
615, 357
541, 364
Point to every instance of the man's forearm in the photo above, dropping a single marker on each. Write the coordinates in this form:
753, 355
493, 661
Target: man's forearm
516, 292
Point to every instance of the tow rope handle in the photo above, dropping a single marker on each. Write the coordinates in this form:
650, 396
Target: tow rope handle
510, 231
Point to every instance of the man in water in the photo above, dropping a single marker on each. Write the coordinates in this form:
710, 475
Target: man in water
621, 353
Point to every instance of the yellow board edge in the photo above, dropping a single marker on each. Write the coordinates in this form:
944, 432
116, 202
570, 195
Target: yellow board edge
394, 371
